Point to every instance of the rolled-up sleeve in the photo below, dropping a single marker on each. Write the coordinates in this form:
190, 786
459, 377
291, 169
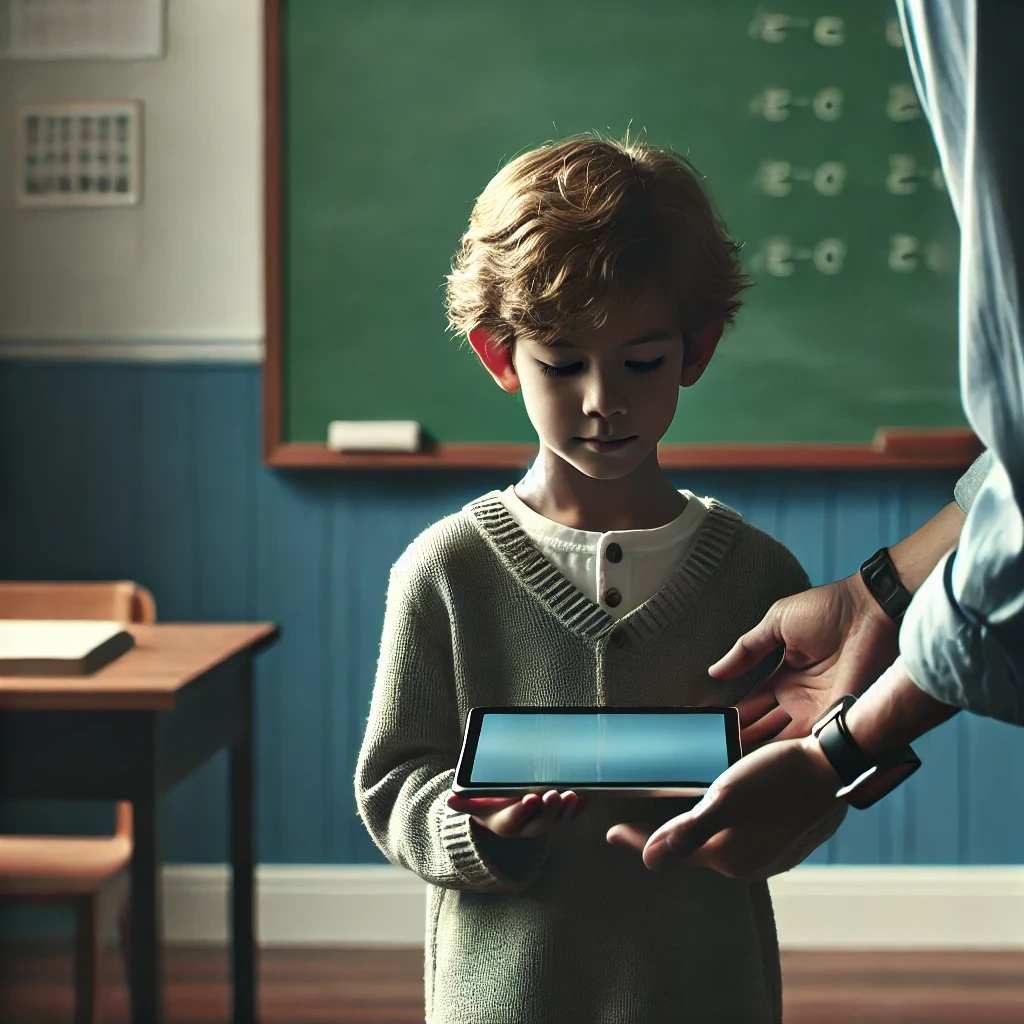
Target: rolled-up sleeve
962, 638
967, 487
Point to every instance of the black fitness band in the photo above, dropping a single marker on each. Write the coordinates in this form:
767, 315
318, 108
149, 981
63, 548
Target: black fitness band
884, 584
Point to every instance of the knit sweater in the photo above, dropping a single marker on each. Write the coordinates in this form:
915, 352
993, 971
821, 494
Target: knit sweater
563, 929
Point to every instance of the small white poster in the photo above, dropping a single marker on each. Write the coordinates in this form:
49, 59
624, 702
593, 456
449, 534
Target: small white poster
84, 29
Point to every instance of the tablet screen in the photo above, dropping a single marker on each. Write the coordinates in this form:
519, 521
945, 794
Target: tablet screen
600, 749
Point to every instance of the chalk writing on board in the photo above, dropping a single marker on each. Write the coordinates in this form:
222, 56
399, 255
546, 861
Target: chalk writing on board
902, 105
776, 104
907, 253
828, 104
779, 256
893, 33
905, 175
773, 27
829, 255
776, 177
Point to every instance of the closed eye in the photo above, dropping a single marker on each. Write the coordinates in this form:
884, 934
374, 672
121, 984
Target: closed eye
560, 371
646, 367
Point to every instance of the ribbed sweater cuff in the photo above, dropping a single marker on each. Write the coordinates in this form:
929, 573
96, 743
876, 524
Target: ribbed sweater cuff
486, 861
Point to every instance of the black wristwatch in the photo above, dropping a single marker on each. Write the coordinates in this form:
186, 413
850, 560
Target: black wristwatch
884, 584
864, 780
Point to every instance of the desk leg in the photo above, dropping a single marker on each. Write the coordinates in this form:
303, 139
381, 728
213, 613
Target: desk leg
146, 987
242, 862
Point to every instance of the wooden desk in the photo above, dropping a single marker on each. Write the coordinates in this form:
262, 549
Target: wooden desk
132, 731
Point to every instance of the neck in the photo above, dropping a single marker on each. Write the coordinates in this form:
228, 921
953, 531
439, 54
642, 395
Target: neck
641, 501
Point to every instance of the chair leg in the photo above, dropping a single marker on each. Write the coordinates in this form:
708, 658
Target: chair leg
124, 934
115, 907
87, 962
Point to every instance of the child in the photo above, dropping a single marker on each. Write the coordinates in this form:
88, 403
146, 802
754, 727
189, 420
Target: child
596, 280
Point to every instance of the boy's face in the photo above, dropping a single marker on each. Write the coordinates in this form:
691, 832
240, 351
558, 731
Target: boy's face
602, 399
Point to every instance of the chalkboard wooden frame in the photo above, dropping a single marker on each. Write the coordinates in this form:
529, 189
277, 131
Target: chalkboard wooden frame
891, 449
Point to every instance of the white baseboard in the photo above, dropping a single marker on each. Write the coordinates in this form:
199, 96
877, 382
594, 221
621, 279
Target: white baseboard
816, 907
300, 905
900, 907
195, 349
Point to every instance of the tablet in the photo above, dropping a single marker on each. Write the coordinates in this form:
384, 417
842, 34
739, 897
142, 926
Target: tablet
613, 751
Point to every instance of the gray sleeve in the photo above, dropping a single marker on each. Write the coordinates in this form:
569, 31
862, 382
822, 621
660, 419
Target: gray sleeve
407, 762
969, 484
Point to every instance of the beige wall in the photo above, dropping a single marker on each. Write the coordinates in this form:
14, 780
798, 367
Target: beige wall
183, 266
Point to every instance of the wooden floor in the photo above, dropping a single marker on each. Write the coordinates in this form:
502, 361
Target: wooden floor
385, 987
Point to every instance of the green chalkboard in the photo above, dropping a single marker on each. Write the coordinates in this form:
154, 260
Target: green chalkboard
396, 114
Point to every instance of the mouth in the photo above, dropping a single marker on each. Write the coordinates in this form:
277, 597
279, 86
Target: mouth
596, 444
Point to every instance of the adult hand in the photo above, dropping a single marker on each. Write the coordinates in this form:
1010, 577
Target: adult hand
772, 807
837, 640
520, 818
762, 816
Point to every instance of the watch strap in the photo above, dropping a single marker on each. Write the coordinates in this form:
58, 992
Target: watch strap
884, 584
838, 746
852, 765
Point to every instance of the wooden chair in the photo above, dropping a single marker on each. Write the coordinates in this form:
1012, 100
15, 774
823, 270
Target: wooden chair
87, 874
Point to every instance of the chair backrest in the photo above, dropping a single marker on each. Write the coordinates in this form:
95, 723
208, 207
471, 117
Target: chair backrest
120, 601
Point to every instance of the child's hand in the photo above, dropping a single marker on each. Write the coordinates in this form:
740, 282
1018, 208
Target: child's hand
511, 818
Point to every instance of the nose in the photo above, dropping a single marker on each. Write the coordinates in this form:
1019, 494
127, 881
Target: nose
603, 396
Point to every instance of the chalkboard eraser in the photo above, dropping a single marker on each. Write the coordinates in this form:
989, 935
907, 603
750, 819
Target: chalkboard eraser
374, 436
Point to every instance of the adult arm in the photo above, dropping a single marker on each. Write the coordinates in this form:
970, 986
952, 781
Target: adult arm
963, 636
837, 638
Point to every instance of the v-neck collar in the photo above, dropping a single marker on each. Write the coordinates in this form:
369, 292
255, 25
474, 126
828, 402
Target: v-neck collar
572, 607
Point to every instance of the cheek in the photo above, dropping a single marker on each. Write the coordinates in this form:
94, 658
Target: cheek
547, 402
658, 404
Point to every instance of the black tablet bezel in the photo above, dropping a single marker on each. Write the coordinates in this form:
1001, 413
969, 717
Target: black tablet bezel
474, 719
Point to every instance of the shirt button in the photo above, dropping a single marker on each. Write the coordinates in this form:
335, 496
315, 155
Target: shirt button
612, 597
613, 553
618, 638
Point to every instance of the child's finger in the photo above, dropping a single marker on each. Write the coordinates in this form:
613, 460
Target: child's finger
566, 803
510, 821
547, 817
571, 805
480, 805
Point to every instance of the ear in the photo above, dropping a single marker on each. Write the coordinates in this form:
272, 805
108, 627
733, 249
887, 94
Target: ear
497, 359
700, 347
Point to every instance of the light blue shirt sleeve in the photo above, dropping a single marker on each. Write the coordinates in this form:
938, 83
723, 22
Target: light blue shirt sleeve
967, 487
962, 638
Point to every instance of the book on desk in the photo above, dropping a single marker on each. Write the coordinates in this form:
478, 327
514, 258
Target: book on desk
43, 647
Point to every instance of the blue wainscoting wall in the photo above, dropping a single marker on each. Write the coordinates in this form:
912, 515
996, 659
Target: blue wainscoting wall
154, 474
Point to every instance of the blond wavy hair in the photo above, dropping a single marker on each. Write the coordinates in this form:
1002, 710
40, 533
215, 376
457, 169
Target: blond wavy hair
567, 231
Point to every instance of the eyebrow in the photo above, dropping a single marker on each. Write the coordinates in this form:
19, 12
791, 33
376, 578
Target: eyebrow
658, 335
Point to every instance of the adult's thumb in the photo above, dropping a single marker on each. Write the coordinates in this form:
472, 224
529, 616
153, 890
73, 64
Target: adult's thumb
682, 836
751, 648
